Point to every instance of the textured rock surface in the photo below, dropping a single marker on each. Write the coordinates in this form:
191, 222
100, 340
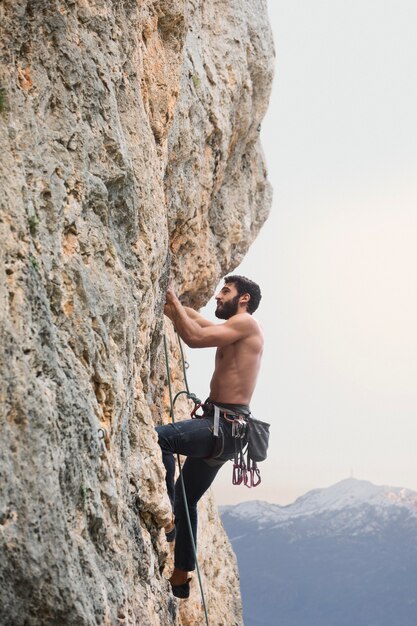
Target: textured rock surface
129, 128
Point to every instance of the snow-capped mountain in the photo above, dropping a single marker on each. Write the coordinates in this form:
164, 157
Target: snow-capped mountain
341, 556
348, 506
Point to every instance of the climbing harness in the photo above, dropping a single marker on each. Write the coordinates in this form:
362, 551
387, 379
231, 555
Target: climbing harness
250, 436
196, 402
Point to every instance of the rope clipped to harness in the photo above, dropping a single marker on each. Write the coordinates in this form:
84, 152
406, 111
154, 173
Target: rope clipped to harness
172, 400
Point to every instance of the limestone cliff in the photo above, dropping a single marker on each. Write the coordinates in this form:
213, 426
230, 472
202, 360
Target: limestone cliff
128, 129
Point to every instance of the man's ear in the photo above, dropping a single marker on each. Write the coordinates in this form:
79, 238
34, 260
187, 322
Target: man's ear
244, 299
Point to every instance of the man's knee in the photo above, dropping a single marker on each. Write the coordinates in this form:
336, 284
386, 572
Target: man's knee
165, 434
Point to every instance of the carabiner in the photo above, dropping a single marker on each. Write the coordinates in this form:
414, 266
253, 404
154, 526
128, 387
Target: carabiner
194, 411
236, 474
256, 471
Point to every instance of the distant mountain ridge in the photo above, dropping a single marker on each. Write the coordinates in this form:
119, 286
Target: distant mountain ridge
341, 556
349, 495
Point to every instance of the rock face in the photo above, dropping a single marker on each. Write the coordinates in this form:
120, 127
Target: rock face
129, 134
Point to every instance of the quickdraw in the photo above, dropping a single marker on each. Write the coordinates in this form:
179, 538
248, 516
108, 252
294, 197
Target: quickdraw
238, 474
249, 477
247, 473
253, 476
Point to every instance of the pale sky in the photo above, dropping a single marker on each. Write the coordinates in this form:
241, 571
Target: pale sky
336, 261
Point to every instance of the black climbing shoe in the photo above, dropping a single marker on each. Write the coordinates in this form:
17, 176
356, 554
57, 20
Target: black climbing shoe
170, 537
181, 591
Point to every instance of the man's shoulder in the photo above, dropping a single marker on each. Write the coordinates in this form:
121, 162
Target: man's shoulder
244, 321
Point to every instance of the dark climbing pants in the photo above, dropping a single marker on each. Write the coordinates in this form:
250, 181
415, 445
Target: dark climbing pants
194, 439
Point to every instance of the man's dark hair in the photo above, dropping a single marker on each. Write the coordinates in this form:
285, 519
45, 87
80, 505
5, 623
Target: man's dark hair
244, 285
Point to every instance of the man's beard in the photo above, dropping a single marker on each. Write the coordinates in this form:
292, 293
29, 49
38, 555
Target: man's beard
227, 309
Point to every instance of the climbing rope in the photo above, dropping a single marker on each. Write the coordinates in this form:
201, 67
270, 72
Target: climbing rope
172, 402
191, 396
184, 364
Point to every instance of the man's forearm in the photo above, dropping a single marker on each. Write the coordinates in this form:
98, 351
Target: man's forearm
196, 317
190, 312
188, 329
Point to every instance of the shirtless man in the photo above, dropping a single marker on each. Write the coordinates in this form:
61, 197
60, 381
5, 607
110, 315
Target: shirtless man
239, 343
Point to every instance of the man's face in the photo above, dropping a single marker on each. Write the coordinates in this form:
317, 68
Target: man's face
227, 302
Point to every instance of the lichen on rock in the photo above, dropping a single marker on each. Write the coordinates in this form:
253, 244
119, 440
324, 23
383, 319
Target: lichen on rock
130, 151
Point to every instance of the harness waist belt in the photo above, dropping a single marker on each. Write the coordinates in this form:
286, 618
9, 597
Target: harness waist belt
235, 410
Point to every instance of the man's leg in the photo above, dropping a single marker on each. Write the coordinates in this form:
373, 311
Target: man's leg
192, 437
168, 460
198, 476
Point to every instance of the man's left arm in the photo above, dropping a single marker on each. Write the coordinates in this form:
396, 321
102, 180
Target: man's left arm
216, 335
196, 317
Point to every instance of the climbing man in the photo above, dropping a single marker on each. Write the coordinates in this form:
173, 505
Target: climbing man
209, 441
